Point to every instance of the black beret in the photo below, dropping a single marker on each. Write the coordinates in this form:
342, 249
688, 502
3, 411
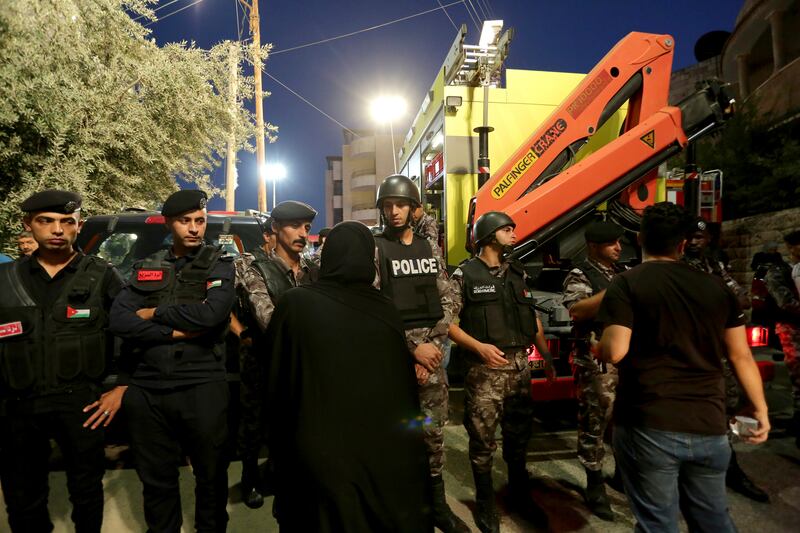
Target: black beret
54, 201
324, 232
292, 210
267, 225
183, 201
600, 232
698, 224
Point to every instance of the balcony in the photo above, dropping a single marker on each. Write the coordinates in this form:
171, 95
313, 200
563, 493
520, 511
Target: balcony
365, 213
363, 179
776, 96
362, 147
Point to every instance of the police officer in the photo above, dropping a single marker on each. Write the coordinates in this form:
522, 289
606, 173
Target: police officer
595, 382
262, 283
498, 323
425, 225
411, 272
249, 435
54, 350
784, 308
26, 244
173, 316
695, 254
322, 236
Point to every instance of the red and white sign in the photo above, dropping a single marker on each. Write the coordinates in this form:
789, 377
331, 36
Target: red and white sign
150, 275
434, 169
10, 329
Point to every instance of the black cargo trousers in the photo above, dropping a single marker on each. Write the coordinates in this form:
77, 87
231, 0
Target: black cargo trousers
165, 425
26, 427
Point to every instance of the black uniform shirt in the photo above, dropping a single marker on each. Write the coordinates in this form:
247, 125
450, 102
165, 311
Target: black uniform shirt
45, 290
157, 333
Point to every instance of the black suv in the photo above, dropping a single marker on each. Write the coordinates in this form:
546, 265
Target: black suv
124, 238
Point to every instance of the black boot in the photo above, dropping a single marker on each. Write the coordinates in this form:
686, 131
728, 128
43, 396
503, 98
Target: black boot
486, 516
251, 483
596, 497
519, 495
443, 516
738, 481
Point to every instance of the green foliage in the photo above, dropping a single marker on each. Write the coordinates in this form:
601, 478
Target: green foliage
760, 160
89, 103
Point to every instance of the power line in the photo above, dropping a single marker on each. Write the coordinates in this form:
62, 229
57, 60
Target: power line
468, 4
173, 13
489, 10
350, 34
484, 14
236, 14
157, 9
448, 15
301, 97
469, 12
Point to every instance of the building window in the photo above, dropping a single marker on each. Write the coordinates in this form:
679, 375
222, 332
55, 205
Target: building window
338, 215
337, 187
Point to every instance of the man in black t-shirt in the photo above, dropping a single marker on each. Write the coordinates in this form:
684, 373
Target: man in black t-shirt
667, 328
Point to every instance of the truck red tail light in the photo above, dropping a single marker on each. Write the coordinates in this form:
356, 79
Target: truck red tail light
155, 219
757, 336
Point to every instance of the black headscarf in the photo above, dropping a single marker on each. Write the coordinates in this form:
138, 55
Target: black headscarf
347, 270
348, 256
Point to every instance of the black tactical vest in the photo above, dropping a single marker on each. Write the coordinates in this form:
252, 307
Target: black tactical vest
157, 279
599, 282
276, 279
45, 351
408, 278
497, 311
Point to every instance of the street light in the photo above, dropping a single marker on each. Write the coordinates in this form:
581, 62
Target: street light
387, 109
273, 172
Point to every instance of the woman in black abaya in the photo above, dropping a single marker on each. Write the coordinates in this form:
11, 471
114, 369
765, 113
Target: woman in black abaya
344, 422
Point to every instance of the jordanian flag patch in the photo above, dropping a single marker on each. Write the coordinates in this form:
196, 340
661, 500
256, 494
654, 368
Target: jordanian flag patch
212, 284
78, 313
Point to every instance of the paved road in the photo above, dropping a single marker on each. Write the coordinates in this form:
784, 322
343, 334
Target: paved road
551, 461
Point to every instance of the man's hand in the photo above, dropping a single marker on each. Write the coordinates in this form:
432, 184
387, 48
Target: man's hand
428, 355
422, 374
594, 345
236, 326
105, 408
549, 370
760, 435
179, 335
491, 355
146, 313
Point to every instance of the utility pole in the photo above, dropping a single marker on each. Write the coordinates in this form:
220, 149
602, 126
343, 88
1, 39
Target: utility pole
230, 167
255, 47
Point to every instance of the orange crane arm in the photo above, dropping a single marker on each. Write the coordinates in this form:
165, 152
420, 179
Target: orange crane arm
637, 69
537, 186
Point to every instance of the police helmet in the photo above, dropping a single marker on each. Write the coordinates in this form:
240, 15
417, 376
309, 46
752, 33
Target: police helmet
398, 186
488, 223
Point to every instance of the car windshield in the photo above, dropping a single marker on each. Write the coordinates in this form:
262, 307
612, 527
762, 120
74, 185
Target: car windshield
132, 240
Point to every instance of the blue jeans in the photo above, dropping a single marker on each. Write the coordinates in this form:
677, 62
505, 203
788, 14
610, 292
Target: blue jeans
664, 471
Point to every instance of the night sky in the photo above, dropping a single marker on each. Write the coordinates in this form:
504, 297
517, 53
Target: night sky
342, 76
